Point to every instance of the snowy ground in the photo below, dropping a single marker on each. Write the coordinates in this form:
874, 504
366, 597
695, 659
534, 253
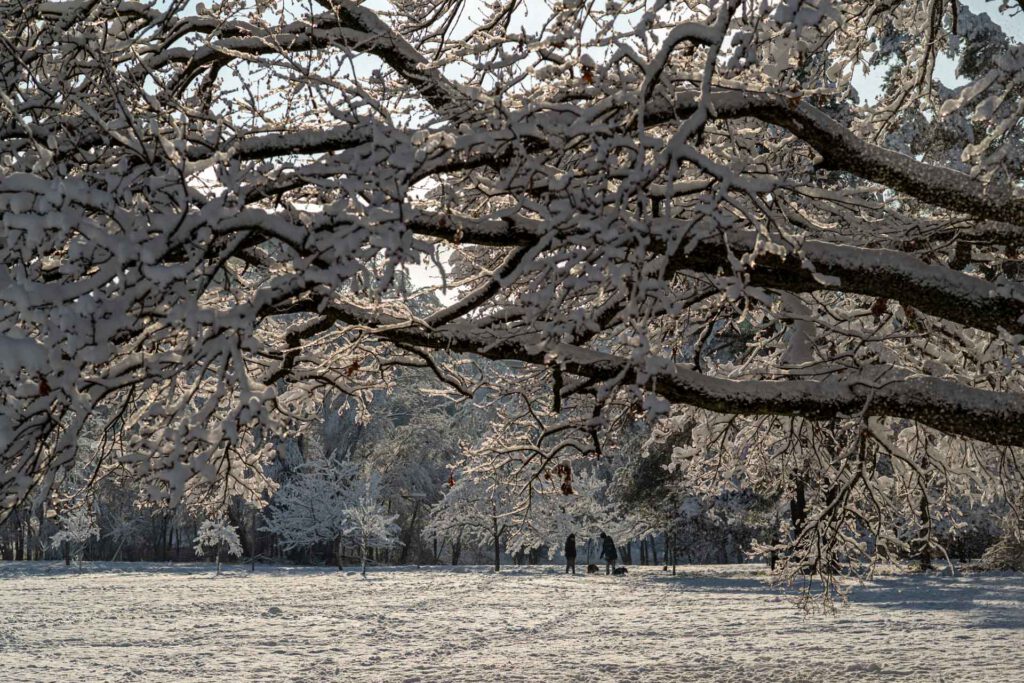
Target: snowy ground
129, 622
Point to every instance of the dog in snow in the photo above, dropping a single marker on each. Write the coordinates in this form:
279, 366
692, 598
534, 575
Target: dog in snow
620, 571
592, 569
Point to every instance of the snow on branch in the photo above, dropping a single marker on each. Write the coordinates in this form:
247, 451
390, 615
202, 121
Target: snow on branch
209, 222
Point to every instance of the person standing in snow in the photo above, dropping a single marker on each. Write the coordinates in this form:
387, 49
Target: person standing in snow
570, 554
608, 552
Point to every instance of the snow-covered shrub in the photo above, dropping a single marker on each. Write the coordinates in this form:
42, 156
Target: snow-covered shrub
220, 536
1006, 554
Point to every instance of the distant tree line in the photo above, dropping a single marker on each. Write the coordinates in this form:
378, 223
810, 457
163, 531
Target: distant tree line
409, 478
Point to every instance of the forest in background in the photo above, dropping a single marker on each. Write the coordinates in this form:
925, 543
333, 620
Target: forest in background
449, 505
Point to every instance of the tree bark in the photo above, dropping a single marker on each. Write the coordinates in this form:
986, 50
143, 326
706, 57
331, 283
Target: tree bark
798, 518
924, 550
497, 548
403, 553
992, 416
457, 548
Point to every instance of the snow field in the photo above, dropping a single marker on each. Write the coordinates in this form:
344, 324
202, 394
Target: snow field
125, 622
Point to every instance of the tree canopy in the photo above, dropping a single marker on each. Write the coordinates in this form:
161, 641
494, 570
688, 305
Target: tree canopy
638, 206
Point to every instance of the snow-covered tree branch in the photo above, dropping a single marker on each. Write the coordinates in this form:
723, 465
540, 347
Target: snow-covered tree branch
210, 221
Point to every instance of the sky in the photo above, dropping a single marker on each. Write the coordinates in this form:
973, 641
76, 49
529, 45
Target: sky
869, 85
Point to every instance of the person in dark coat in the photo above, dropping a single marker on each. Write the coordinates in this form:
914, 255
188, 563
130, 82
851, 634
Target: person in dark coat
570, 554
608, 552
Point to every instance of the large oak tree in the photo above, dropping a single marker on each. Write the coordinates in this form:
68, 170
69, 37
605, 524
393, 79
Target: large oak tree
210, 220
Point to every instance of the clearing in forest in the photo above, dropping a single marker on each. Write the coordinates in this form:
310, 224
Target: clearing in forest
125, 622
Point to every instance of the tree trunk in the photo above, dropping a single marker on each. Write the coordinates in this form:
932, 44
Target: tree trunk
798, 508
170, 538
773, 539
218, 558
404, 552
117, 552
19, 540
253, 540
497, 547
363, 552
798, 517
924, 535
457, 548
163, 538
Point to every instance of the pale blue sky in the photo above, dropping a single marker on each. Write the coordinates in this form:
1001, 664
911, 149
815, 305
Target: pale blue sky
869, 85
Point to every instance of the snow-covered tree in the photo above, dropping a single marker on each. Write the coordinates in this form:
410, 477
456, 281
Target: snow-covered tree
77, 527
409, 444
638, 206
327, 499
557, 510
310, 507
477, 510
220, 536
366, 520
